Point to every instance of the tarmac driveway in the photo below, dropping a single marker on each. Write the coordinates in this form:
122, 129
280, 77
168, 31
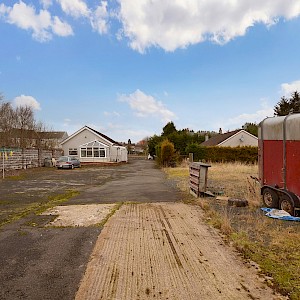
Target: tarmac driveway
38, 262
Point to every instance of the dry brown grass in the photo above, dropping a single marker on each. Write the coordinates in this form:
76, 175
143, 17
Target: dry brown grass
273, 244
232, 179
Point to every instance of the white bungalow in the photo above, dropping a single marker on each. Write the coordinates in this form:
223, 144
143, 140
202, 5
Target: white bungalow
236, 138
91, 146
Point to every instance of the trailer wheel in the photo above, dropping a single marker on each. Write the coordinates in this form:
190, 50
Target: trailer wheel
287, 205
270, 198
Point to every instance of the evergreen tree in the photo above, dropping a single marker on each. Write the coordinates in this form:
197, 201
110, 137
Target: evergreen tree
251, 128
168, 129
287, 106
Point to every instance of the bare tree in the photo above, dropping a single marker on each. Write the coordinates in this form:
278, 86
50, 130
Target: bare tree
18, 127
7, 122
25, 124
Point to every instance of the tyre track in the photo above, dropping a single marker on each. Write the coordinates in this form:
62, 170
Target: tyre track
165, 251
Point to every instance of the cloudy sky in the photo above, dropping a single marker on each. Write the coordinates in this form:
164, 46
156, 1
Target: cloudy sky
127, 67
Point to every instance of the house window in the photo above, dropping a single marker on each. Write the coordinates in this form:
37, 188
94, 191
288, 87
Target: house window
83, 152
93, 152
102, 152
73, 151
89, 152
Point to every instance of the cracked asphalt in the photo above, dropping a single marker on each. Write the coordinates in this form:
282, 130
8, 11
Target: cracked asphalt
38, 262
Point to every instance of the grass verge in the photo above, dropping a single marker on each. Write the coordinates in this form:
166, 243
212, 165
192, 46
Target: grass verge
273, 244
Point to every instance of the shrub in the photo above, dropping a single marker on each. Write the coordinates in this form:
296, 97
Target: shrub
223, 154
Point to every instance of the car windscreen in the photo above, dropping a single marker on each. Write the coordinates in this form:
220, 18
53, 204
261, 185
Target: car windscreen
63, 158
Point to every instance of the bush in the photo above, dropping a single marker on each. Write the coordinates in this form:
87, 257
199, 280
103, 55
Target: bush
223, 154
165, 152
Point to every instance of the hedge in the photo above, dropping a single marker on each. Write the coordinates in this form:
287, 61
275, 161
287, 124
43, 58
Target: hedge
223, 154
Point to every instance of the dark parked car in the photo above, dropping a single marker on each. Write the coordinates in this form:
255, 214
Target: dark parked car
67, 162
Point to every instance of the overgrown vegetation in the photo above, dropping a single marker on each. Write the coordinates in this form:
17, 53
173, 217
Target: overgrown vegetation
187, 141
37, 208
223, 154
273, 244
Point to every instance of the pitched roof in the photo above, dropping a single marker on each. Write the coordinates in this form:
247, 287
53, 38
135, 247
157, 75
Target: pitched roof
104, 136
108, 139
219, 138
52, 134
29, 133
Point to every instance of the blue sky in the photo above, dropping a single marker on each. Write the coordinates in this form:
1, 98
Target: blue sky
128, 67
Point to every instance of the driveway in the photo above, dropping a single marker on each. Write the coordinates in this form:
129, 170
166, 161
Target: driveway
39, 262
153, 246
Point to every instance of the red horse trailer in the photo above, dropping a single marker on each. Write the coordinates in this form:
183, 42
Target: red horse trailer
279, 162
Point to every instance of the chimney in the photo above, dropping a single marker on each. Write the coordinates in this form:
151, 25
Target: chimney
220, 131
206, 137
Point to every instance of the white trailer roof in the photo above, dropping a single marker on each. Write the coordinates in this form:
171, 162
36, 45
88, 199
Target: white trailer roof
273, 128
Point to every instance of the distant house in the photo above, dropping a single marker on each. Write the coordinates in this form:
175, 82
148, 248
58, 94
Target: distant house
91, 146
25, 138
234, 138
51, 139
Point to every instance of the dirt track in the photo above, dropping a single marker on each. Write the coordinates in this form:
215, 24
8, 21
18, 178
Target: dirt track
166, 251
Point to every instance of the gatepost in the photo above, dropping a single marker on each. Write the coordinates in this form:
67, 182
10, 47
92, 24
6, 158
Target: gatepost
3, 152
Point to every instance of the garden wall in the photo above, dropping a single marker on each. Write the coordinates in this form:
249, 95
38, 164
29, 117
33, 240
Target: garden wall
27, 158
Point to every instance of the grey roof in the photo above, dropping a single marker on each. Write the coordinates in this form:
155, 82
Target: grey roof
104, 136
219, 138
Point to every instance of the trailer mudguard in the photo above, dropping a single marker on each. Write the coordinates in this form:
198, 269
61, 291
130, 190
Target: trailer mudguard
280, 192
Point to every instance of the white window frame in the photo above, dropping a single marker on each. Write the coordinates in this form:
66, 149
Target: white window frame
92, 148
73, 150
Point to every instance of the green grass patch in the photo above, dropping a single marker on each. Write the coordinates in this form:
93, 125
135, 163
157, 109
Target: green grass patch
4, 202
38, 207
280, 259
274, 245
113, 211
14, 177
56, 200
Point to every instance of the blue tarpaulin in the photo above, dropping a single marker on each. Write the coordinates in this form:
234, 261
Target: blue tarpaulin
279, 214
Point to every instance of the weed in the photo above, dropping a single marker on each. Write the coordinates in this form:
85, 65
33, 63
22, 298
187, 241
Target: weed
22, 232
4, 202
273, 244
56, 200
116, 207
38, 208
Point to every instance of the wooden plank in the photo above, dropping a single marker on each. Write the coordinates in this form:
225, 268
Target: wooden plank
193, 193
195, 172
194, 186
195, 180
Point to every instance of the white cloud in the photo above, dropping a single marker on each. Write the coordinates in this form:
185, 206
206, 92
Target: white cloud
26, 18
265, 111
27, 101
288, 88
46, 3
172, 24
99, 18
111, 114
74, 8
4, 9
146, 105
41, 24
61, 28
